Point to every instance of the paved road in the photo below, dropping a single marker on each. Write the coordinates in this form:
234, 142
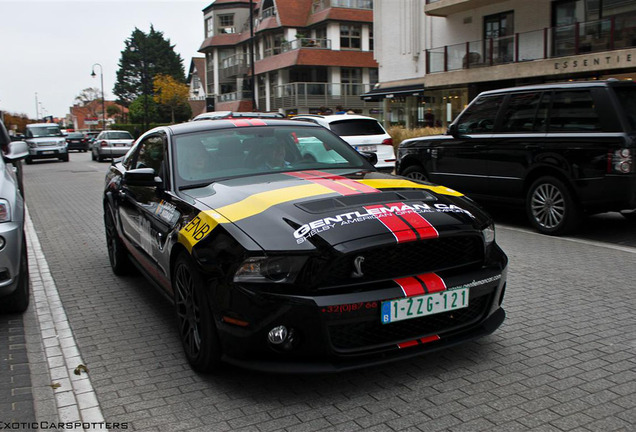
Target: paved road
564, 360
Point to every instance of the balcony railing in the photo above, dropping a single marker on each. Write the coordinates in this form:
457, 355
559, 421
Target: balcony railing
616, 32
315, 94
234, 65
297, 44
234, 96
319, 5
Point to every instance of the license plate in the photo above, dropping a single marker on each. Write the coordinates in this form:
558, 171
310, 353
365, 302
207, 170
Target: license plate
366, 148
428, 304
48, 152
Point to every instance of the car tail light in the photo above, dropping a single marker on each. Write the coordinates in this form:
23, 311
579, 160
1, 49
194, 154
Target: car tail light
388, 141
620, 161
103, 144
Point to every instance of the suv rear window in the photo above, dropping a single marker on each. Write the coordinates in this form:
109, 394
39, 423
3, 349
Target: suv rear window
627, 99
356, 127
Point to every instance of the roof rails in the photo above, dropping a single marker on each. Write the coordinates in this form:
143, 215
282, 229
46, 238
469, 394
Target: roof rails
218, 115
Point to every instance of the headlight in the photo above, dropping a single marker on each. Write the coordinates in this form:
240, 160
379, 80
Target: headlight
5, 211
489, 234
278, 269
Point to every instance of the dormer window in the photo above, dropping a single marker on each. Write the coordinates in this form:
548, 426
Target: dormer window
226, 24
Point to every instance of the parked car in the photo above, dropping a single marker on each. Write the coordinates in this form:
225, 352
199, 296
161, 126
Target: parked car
45, 141
14, 268
279, 263
216, 115
560, 150
77, 141
363, 133
111, 144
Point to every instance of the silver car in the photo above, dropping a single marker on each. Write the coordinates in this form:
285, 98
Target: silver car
111, 144
14, 268
46, 141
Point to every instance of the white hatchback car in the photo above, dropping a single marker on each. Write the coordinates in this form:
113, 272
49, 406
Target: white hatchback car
363, 133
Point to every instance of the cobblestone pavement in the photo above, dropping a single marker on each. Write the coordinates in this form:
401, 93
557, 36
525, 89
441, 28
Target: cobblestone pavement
564, 360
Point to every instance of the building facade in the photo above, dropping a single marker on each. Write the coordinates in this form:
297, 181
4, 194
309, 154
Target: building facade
290, 56
196, 84
464, 47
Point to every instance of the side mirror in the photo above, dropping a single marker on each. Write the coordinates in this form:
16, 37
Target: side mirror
16, 150
371, 157
142, 177
452, 130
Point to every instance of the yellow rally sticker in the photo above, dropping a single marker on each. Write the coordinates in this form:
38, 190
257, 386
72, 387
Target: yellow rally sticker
199, 227
403, 183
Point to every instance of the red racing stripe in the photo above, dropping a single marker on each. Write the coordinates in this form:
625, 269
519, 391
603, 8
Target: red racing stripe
410, 286
401, 231
239, 122
418, 341
334, 186
257, 122
417, 221
433, 282
360, 187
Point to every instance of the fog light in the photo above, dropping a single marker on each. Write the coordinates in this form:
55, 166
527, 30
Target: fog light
277, 335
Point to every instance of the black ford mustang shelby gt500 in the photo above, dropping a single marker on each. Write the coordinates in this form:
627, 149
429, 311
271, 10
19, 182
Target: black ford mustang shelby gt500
283, 249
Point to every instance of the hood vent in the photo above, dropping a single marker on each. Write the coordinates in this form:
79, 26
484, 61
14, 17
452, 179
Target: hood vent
330, 204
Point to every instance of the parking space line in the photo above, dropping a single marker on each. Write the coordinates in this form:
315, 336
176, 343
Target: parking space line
75, 397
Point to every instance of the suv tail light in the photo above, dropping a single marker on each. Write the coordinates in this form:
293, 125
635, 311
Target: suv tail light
388, 141
620, 161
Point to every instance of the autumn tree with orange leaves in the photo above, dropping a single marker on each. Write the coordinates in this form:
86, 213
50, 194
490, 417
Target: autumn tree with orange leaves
170, 93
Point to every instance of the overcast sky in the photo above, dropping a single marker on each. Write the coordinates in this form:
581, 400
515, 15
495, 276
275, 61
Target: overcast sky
48, 47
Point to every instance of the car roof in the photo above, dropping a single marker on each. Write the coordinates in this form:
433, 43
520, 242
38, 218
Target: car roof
335, 117
199, 126
560, 85
43, 124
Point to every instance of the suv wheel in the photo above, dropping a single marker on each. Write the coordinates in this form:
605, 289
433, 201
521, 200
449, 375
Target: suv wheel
551, 207
415, 172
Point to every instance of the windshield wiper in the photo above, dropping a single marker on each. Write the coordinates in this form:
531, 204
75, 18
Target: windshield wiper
195, 186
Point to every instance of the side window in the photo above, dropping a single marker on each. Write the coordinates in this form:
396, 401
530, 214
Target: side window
573, 111
520, 113
480, 116
151, 153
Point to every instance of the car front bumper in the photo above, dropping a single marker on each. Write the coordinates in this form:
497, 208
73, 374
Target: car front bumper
47, 152
337, 332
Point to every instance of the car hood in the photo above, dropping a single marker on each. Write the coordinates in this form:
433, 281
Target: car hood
307, 210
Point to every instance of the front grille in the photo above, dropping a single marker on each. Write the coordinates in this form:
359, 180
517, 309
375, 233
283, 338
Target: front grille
372, 333
390, 262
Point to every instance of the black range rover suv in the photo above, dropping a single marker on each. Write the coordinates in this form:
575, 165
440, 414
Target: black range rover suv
561, 150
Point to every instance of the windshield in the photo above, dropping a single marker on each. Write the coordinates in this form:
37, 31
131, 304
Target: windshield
627, 98
43, 131
216, 154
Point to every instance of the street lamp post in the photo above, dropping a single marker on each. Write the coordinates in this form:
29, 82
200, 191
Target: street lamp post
101, 76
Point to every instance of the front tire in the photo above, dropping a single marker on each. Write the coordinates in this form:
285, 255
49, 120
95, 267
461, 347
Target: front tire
18, 301
194, 317
551, 208
117, 253
415, 172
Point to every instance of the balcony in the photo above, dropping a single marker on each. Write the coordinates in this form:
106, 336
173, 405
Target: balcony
234, 96
315, 95
319, 5
297, 44
445, 8
233, 66
616, 32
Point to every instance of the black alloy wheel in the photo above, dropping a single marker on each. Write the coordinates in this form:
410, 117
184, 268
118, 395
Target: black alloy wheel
551, 208
194, 317
415, 172
117, 254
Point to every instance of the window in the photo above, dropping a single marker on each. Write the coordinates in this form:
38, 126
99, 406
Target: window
226, 23
521, 112
573, 111
151, 154
627, 99
480, 116
350, 36
351, 78
499, 28
209, 26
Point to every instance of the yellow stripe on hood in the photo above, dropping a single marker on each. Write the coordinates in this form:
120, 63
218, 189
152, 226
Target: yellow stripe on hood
403, 183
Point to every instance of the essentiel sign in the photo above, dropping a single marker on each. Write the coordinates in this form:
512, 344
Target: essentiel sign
90, 121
